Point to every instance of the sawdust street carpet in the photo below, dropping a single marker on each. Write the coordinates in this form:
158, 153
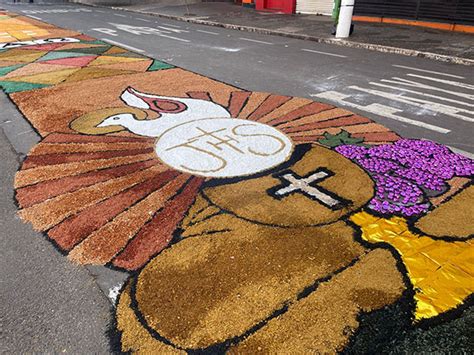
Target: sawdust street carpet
249, 222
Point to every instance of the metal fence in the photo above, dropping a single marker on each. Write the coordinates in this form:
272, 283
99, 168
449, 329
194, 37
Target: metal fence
451, 11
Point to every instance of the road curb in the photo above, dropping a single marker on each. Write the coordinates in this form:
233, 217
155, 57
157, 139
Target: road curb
339, 42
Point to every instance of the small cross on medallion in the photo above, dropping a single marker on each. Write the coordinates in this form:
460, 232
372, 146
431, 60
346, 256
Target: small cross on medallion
292, 183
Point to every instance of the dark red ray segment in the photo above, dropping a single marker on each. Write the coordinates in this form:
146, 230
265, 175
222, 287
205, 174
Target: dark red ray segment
52, 159
76, 228
237, 101
81, 138
156, 235
337, 122
270, 103
33, 194
306, 110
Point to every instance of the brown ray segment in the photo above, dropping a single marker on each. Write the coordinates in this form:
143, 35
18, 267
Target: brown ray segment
156, 235
309, 109
34, 161
324, 321
33, 194
310, 139
103, 244
237, 101
47, 214
46, 173
318, 117
82, 138
372, 133
366, 128
202, 95
319, 133
271, 103
377, 137
287, 107
58, 148
253, 102
76, 228
307, 129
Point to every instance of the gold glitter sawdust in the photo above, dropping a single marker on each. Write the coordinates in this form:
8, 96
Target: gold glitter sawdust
216, 286
349, 182
134, 337
323, 322
87, 123
459, 211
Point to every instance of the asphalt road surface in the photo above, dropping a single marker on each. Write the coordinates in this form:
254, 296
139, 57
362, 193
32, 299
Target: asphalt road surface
415, 97
48, 305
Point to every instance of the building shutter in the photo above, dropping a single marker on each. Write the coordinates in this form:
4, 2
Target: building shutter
321, 7
450, 11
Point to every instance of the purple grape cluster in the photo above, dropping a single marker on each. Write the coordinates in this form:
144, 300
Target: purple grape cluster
406, 172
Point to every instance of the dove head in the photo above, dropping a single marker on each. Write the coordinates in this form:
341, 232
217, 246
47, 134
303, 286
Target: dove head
123, 119
175, 109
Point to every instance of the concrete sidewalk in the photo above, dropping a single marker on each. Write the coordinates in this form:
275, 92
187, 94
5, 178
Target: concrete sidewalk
407, 40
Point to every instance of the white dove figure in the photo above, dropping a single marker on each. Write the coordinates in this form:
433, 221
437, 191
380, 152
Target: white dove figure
201, 138
173, 112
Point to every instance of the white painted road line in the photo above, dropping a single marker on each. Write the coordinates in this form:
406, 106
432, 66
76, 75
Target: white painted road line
120, 15
428, 71
172, 29
175, 38
36, 18
142, 19
208, 32
379, 110
462, 152
423, 94
107, 31
448, 82
325, 53
424, 104
415, 84
170, 25
226, 49
254, 40
122, 45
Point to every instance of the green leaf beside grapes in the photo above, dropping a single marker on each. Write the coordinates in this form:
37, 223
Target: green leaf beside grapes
341, 138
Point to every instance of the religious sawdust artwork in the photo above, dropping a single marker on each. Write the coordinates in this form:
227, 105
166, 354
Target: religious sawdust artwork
249, 222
